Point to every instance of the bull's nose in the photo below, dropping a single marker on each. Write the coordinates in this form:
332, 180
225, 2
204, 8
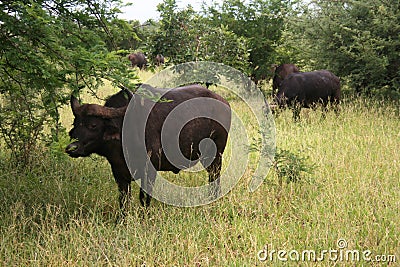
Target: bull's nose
71, 147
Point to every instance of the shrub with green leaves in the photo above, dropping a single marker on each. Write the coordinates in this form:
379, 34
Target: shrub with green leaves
48, 50
291, 166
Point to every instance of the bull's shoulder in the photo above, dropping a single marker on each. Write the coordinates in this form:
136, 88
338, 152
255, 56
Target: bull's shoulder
190, 92
313, 74
293, 77
179, 94
328, 74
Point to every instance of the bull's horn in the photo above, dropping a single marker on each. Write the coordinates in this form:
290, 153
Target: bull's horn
75, 106
105, 112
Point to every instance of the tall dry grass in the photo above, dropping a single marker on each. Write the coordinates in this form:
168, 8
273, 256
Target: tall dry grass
63, 211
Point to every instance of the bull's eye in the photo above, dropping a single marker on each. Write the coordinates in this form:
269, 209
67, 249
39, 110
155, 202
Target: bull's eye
92, 126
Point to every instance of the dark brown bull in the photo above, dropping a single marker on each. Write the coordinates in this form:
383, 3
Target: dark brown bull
98, 129
280, 73
160, 60
138, 59
306, 89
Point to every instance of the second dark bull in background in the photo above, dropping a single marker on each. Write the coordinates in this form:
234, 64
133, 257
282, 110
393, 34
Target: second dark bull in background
138, 59
160, 60
307, 89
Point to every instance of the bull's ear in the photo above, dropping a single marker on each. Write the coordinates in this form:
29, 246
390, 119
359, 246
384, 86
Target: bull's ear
128, 93
74, 105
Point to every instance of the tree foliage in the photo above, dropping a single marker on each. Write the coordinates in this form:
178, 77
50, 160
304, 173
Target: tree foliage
258, 21
48, 50
185, 35
130, 34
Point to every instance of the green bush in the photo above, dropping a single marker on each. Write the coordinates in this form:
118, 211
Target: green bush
291, 166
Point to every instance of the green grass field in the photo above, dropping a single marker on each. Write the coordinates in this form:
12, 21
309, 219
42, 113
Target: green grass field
62, 212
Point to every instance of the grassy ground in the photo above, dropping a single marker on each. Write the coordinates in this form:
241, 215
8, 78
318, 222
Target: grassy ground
62, 212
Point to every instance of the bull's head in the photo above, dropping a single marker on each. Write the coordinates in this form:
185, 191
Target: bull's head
93, 125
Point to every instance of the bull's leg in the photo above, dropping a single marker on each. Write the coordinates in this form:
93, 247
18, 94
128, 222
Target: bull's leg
295, 106
296, 113
124, 197
123, 178
335, 105
144, 198
324, 111
146, 188
214, 171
